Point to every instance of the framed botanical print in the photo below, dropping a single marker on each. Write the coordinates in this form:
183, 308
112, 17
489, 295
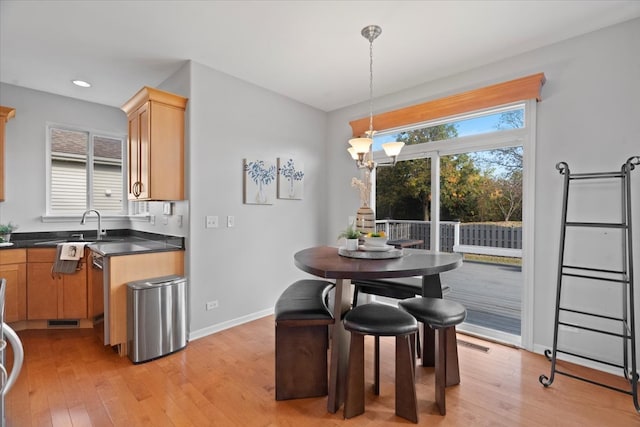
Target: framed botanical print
259, 182
290, 179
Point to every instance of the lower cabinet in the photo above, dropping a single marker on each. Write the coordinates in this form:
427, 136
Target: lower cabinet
13, 268
54, 296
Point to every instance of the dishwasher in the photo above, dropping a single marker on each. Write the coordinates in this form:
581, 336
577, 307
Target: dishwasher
156, 317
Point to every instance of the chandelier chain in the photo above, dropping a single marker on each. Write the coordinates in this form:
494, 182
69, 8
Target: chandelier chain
370, 88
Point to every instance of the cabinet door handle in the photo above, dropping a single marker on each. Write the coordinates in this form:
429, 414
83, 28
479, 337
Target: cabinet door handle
137, 188
55, 276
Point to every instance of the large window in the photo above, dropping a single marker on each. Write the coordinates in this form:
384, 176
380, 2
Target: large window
476, 185
85, 171
458, 187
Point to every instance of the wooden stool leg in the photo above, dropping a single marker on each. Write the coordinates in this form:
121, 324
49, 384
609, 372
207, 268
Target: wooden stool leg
376, 366
452, 372
428, 345
406, 400
440, 350
354, 392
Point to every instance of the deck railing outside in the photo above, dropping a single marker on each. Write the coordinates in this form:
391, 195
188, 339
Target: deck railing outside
457, 237
497, 303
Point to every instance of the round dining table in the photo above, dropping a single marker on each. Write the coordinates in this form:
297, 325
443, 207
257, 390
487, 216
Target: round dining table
326, 262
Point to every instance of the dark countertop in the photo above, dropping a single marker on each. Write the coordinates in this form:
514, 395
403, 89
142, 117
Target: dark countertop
117, 242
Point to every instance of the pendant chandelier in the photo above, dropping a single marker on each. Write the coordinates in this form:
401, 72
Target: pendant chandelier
361, 149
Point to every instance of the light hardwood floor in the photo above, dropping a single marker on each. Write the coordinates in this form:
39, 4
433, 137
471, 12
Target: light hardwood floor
227, 379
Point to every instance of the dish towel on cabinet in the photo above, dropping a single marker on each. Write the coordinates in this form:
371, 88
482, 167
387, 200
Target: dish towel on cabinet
67, 257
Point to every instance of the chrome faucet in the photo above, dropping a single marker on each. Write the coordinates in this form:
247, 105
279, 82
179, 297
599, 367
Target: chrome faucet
101, 232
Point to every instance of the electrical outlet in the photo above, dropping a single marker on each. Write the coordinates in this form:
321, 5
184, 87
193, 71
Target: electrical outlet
231, 221
211, 221
212, 304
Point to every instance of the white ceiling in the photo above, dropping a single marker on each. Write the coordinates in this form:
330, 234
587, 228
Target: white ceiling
311, 51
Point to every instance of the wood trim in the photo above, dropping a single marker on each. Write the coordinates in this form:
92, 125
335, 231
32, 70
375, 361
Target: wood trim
477, 99
156, 95
7, 113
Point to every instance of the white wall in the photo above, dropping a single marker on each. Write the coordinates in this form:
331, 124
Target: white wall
588, 117
245, 268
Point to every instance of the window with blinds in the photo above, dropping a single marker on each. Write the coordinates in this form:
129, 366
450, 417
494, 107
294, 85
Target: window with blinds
86, 171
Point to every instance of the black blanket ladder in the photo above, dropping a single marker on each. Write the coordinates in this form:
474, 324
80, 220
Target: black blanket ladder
577, 277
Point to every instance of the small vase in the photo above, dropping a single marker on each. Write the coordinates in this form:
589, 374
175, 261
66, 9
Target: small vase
352, 244
365, 220
292, 190
261, 197
5, 238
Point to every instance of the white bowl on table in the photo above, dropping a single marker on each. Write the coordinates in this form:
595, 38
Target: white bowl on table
375, 241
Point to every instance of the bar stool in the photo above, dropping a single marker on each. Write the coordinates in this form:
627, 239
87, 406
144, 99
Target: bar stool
381, 320
396, 288
442, 316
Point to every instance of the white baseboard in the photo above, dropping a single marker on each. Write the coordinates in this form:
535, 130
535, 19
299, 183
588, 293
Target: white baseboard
200, 333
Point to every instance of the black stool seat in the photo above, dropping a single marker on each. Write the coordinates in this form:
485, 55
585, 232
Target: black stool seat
435, 312
380, 320
304, 300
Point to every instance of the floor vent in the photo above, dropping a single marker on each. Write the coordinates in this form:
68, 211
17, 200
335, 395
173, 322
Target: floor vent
473, 346
63, 323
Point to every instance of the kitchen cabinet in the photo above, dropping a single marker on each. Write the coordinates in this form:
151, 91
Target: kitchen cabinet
155, 145
128, 268
6, 114
54, 296
13, 267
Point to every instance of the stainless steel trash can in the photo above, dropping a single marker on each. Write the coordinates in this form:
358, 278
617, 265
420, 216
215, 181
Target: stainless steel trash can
156, 317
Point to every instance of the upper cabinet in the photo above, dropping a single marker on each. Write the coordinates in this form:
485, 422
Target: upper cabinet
156, 145
6, 113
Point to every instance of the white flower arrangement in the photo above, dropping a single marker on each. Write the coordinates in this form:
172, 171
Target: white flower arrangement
364, 187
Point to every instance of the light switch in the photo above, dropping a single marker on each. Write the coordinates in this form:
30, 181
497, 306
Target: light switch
231, 221
167, 208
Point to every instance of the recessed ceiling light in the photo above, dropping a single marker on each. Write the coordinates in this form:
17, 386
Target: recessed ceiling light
81, 83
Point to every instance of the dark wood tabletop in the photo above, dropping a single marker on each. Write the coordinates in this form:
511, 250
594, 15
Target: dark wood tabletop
324, 261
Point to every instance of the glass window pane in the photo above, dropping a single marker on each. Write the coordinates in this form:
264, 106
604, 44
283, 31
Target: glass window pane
482, 186
107, 174
68, 170
491, 122
403, 192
